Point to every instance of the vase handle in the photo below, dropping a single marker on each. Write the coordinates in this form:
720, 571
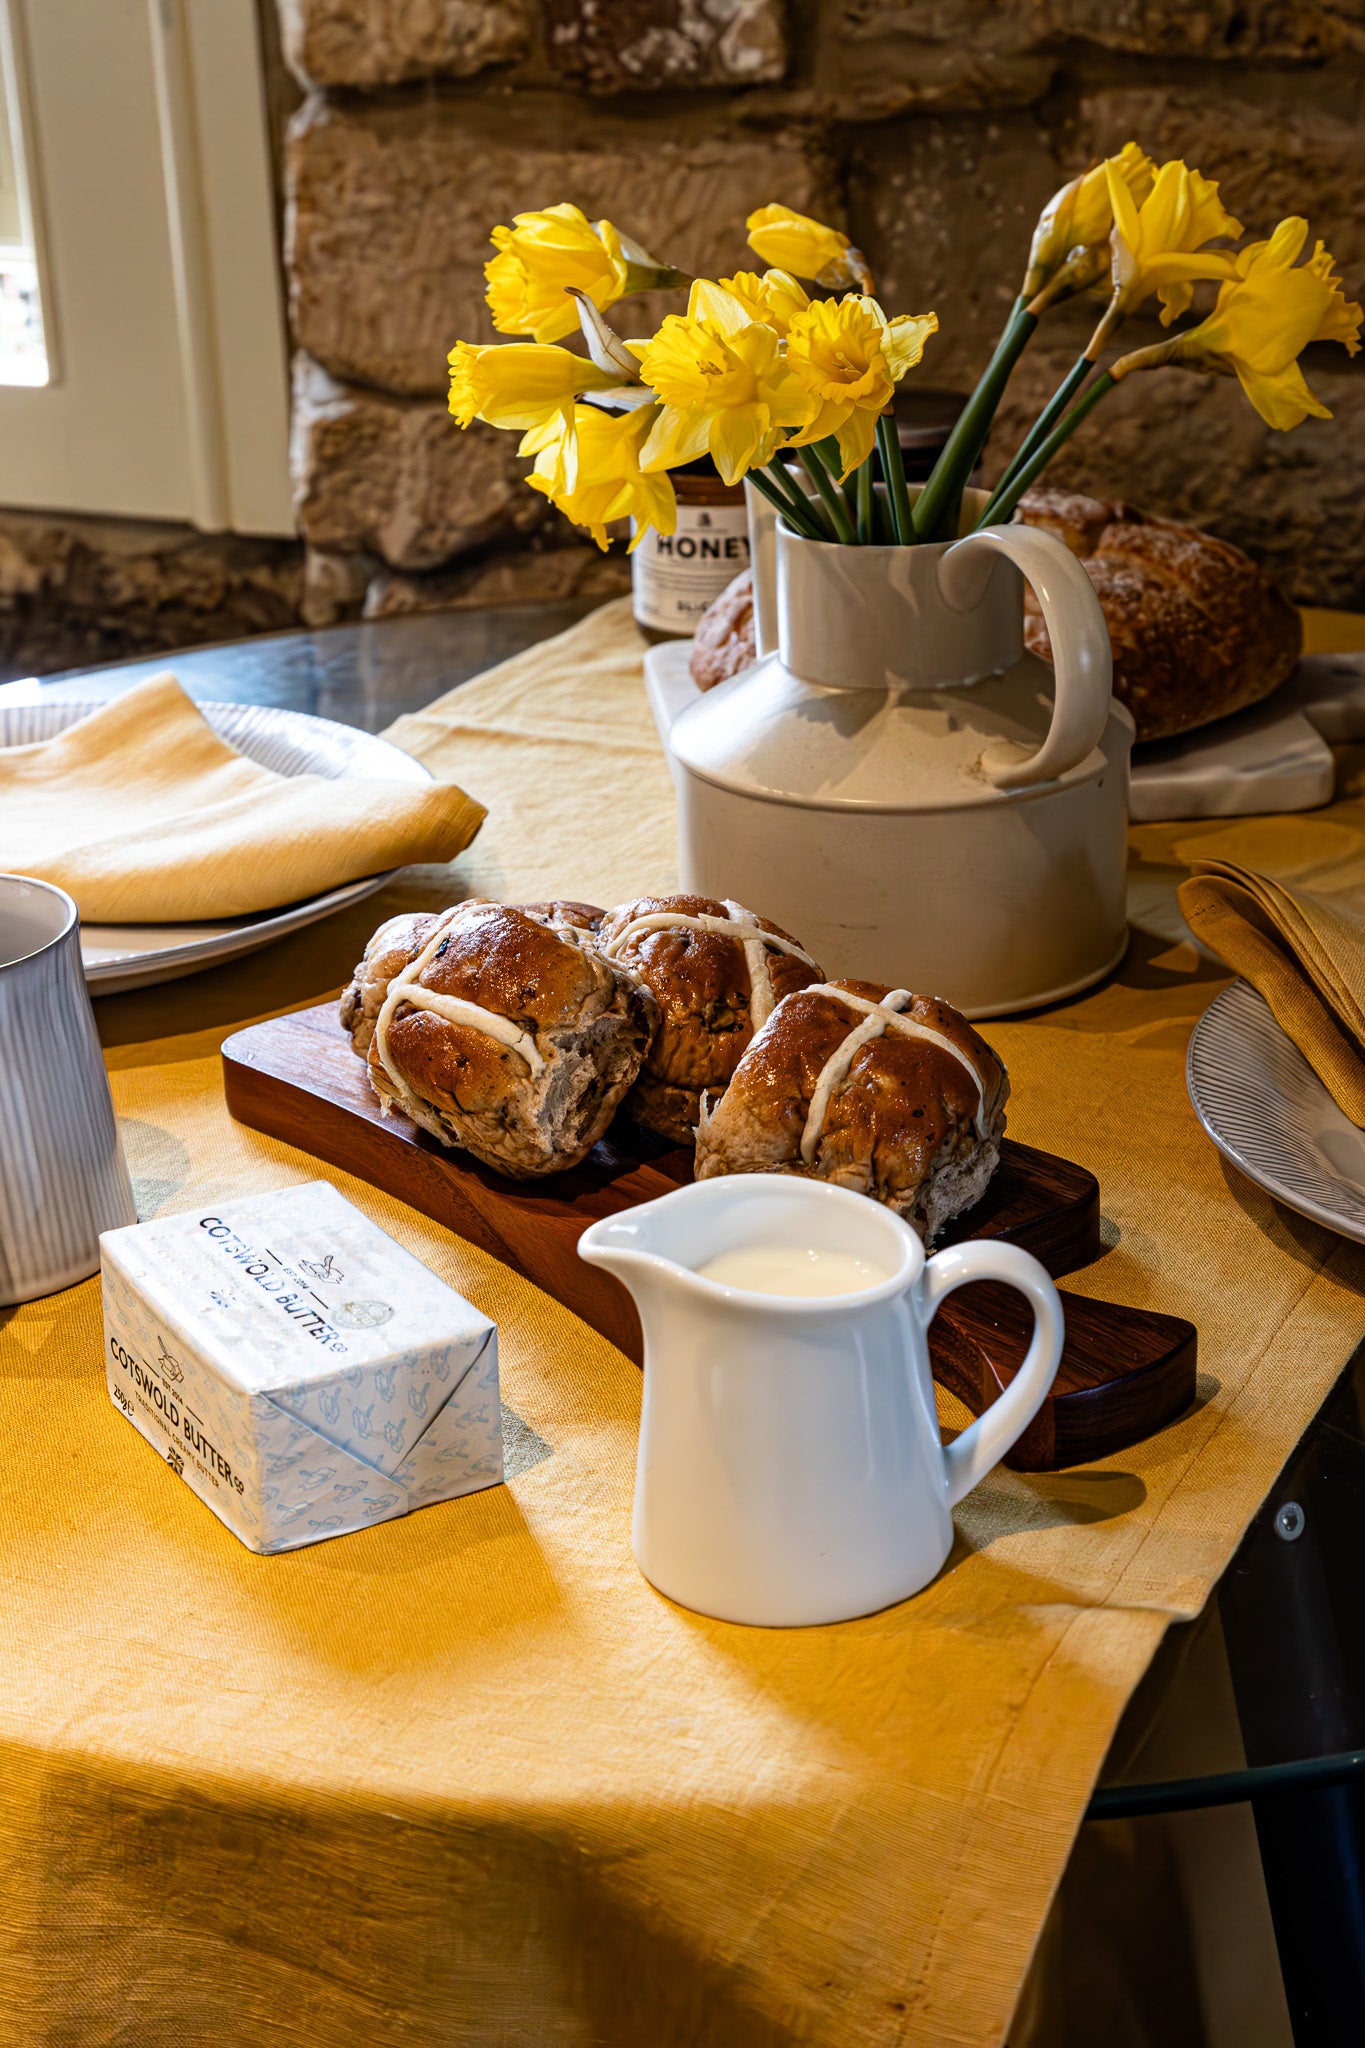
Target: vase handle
1082, 662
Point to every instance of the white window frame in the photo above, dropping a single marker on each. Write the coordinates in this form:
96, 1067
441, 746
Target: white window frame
180, 411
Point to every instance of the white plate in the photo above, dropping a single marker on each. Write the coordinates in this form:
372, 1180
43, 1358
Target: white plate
1267, 1111
292, 743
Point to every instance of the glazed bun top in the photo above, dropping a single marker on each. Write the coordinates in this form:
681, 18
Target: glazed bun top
563, 910
717, 972
509, 963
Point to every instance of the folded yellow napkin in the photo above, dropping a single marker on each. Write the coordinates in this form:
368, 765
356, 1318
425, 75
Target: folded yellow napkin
1303, 953
145, 816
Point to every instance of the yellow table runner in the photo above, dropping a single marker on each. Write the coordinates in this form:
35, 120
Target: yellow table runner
465, 1779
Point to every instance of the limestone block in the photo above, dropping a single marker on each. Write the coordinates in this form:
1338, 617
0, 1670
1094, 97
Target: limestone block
1304, 31
543, 575
80, 590
654, 45
382, 42
945, 210
1190, 447
397, 478
1274, 148
390, 208
876, 57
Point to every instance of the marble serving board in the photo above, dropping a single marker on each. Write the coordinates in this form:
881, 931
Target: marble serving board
1275, 757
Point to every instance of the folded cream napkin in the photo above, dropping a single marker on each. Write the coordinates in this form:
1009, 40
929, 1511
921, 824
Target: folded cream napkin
1303, 953
145, 816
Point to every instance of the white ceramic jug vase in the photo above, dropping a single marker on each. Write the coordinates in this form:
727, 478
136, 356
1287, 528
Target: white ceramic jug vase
790, 1469
900, 785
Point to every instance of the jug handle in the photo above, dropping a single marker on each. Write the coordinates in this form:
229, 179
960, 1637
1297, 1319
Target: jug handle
1082, 660
984, 1442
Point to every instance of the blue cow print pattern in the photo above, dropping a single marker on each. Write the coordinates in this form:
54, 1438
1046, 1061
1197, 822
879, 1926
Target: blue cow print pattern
321, 1457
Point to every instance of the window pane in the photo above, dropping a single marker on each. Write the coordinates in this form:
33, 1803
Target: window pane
23, 355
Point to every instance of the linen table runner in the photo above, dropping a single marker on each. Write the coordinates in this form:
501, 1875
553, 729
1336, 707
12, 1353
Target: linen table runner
465, 1779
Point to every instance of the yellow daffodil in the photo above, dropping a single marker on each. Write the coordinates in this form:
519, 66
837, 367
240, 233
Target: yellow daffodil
1265, 316
807, 248
725, 389
1158, 242
1070, 249
772, 298
850, 358
539, 257
600, 479
519, 383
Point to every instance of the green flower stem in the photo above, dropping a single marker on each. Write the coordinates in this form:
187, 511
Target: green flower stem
1042, 456
1039, 431
863, 479
807, 512
801, 518
938, 507
832, 455
893, 471
830, 498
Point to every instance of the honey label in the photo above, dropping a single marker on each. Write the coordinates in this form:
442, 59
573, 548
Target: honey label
676, 575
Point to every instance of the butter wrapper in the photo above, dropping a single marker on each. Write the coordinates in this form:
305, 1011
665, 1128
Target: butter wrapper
301, 1372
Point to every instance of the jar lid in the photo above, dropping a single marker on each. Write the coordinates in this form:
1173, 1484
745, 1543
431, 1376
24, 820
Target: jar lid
926, 415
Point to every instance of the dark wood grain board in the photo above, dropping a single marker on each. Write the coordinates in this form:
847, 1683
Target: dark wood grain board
1124, 1372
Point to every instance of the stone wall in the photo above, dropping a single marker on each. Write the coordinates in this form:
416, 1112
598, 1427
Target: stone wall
76, 591
932, 130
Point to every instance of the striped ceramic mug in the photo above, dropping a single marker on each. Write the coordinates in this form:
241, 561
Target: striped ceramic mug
62, 1176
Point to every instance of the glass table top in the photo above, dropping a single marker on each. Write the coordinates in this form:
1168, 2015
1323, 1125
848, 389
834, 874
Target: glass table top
363, 675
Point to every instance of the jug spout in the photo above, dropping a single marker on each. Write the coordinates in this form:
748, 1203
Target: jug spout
621, 1244
624, 1246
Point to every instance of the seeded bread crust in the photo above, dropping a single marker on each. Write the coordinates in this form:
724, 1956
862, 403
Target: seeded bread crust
901, 1126
589, 1019
1197, 628
700, 981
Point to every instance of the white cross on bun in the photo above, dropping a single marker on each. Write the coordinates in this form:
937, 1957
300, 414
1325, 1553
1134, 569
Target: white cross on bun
875, 1089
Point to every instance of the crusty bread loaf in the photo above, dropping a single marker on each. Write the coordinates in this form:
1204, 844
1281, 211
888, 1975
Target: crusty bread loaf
1198, 630
499, 1030
713, 988
724, 642
892, 1095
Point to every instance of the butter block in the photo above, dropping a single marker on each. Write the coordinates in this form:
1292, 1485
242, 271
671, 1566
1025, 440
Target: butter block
301, 1372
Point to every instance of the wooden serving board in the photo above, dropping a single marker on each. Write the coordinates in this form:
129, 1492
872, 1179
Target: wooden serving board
1125, 1372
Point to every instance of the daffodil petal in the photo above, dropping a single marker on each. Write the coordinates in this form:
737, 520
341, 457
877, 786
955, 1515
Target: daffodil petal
1284, 399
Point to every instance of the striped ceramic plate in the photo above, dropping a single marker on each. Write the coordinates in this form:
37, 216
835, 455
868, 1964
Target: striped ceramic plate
1267, 1111
292, 743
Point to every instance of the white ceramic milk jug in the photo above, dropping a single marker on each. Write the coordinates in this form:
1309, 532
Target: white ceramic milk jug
790, 1468
899, 784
